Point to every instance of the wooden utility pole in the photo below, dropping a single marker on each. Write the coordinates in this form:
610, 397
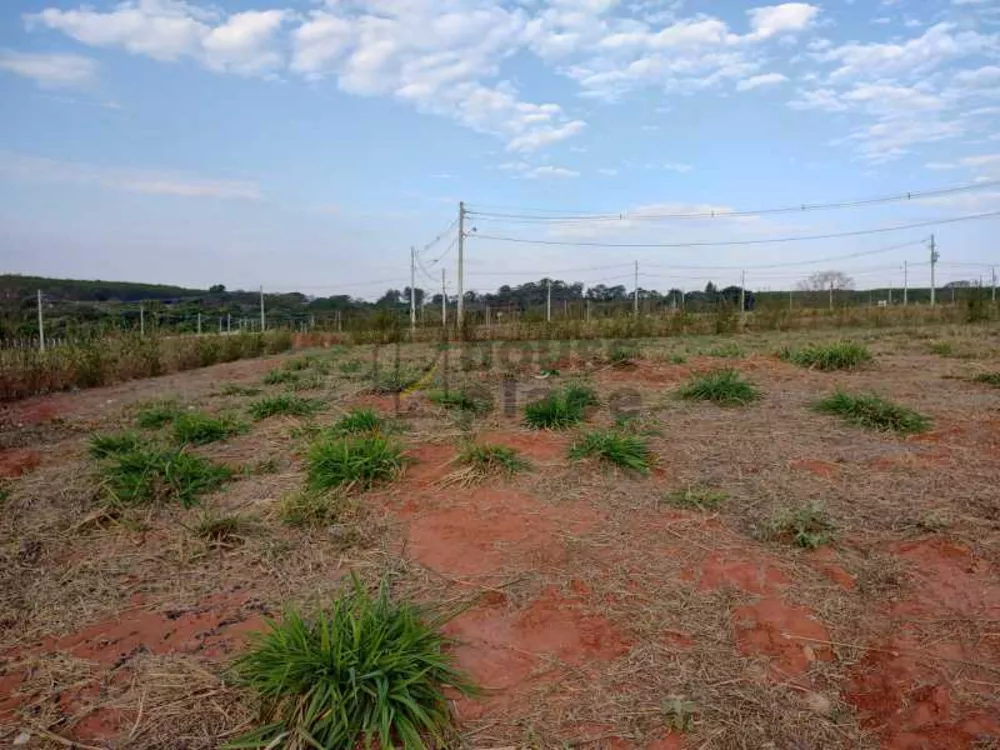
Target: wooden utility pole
906, 283
413, 291
41, 324
548, 301
461, 260
934, 260
444, 302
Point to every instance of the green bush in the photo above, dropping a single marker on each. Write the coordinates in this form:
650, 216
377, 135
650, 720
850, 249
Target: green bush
367, 670
358, 422
199, 428
150, 475
874, 412
352, 462
722, 387
105, 446
842, 355
286, 404
625, 451
156, 414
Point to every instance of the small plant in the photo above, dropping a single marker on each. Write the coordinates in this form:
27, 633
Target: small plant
352, 462
221, 530
729, 350
989, 378
199, 428
807, 526
286, 404
4, 492
678, 359
552, 412
842, 355
358, 422
298, 364
234, 389
105, 446
311, 509
624, 355
366, 670
875, 413
150, 475
722, 387
487, 460
678, 714
625, 451
350, 367
465, 400
156, 414
697, 497
280, 376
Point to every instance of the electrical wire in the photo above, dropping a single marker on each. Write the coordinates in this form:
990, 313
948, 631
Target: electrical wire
731, 243
830, 259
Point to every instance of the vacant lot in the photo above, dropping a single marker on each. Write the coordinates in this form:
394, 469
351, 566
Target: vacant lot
690, 562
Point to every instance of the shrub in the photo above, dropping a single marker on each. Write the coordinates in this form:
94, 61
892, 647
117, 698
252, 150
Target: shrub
352, 462
465, 400
105, 446
723, 387
486, 460
989, 378
842, 355
156, 414
560, 409
368, 669
358, 421
285, 403
625, 451
199, 428
875, 413
312, 509
150, 475
807, 526
698, 498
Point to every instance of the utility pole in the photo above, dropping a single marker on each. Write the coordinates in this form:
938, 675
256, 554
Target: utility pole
199, 324
461, 259
548, 301
229, 322
444, 302
743, 293
142, 319
635, 300
906, 282
413, 291
586, 312
41, 324
934, 260
262, 321
789, 300
993, 272
831, 294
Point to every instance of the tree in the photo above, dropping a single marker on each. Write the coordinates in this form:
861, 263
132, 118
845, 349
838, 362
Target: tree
217, 289
710, 289
824, 280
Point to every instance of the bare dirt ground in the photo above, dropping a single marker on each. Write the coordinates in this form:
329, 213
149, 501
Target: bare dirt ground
598, 614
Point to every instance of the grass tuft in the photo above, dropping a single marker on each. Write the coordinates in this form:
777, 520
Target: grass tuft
312, 509
199, 428
222, 530
352, 462
358, 422
624, 451
487, 459
697, 497
156, 414
989, 378
624, 355
106, 446
286, 404
151, 475
464, 400
807, 526
874, 412
367, 670
280, 376
235, 389
722, 387
842, 355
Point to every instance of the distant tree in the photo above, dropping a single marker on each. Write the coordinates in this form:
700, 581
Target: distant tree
217, 289
420, 295
710, 289
390, 298
824, 280
959, 285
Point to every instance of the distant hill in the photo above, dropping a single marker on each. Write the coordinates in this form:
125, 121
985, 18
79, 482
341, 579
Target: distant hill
15, 287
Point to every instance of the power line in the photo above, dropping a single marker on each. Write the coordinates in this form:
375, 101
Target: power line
775, 240
524, 215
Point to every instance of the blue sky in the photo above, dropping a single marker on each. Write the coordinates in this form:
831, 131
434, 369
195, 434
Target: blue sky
307, 145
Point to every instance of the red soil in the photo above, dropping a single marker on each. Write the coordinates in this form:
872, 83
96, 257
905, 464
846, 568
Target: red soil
754, 577
823, 560
789, 635
815, 466
535, 445
15, 462
429, 464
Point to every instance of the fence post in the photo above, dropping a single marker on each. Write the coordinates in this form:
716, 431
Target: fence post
41, 324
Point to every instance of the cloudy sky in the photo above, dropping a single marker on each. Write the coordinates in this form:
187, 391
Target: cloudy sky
307, 144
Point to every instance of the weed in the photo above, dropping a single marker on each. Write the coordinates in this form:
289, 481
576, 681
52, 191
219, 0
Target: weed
234, 389
105, 446
729, 350
149, 475
624, 355
580, 396
221, 530
156, 414
286, 404
486, 460
350, 367
807, 526
297, 364
465, 400
4, 492
262, 467
678, 359
312, 509
199, 428
552, 412
311, 381
352, 461
279, 376
874, 412
358, 422
697, 497
678, 714
368, 669
842, 355
989, 378
933, 522
625, 451
722, 387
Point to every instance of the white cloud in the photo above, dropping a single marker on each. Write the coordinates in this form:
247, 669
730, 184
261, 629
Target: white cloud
677, 167
51, 70
980, 77
780, 19
766, 79
550, 171
151, 182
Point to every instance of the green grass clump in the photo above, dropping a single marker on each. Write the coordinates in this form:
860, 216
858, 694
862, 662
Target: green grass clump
624, 355
150, 475
625, 451
698, 498
729, 350
560, 409
807, 526
722, 387
156, 414
580, 396
463, 400
352, 462
989, 378
842, 355
234, 389
105, 446
298, 364
199, 428
485, 459
286, 404
312, 509
223, 530
874, 412
280, 376
358, 422
368, 670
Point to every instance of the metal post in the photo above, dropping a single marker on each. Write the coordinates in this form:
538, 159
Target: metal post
587, 310
199, 324
444, 302
413, 292
263, 323
743, 293
993, 272
142, 319
229, 322
934, 260
831, 295
790, 300
548, 302
41, 324
487, 316
461, 260
906, 283
635, 295
220, 325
